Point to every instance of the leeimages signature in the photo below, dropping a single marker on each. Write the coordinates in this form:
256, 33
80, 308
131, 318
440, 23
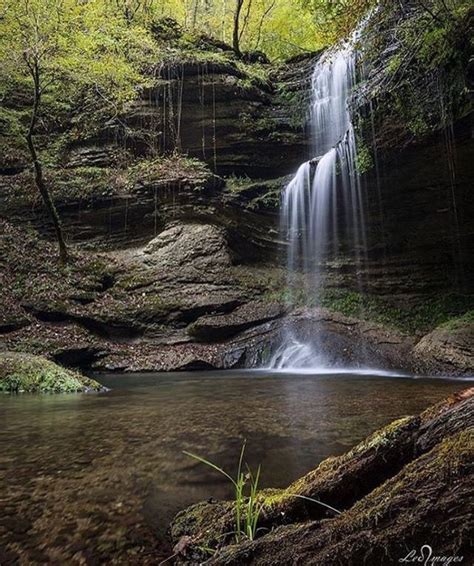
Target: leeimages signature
426, 557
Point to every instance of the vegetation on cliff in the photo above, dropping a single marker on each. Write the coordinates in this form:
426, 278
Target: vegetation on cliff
416, 77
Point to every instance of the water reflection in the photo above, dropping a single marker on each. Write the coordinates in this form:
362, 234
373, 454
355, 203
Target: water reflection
92, 478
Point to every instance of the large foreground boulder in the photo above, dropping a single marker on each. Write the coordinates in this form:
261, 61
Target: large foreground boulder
423, 511
25, 373
391, 491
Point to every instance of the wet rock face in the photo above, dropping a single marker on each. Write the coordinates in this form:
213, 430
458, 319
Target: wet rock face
245, 335
419, 217
415, 145
133, 218
222, 327
349, 342
216, 113
446, 348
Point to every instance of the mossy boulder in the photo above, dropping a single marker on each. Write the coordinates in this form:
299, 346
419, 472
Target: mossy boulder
392, 485
426, 503
448, 349
26, 373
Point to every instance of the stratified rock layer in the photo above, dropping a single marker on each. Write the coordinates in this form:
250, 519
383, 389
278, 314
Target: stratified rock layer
449, 346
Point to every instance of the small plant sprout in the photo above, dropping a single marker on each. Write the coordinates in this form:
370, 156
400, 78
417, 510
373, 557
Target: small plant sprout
247, 508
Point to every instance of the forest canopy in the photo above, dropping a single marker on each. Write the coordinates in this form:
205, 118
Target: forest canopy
280, 28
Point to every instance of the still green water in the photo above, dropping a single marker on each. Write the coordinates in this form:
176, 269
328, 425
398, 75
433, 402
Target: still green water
89, 479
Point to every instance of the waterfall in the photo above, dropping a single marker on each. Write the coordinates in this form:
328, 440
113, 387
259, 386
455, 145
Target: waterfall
322, 204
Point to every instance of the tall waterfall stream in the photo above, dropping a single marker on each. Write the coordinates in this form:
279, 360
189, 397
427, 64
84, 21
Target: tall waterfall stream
322, 202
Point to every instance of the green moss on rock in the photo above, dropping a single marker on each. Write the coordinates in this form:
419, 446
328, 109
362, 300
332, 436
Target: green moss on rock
390, 488
88, 182
460, 321
25, 373
421, 87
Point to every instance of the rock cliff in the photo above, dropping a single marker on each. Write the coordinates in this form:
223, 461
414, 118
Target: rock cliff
172, 213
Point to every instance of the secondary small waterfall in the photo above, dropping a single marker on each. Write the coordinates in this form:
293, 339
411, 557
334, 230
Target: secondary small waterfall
323, 203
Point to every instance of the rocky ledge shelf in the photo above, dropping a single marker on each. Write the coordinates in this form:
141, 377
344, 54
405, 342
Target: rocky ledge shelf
407, 485
182, 301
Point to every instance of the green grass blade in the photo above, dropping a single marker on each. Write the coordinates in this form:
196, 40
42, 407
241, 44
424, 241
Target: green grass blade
210, 464
239, 469
316, 501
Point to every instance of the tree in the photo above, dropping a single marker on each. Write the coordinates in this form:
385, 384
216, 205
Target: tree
36, 30
33, 61
336, 19
235, 34
63, 49
130, 8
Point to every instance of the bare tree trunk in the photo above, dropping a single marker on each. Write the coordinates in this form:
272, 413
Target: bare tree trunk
260, 25
246, 19
235, 35
224, 20
39, 180
195, 14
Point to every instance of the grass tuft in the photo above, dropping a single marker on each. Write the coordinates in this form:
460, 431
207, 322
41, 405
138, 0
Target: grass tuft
247, 508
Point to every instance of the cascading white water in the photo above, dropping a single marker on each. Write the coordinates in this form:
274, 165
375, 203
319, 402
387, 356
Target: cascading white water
322, 201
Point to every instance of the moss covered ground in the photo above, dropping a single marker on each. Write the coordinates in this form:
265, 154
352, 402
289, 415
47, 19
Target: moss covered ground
26, 373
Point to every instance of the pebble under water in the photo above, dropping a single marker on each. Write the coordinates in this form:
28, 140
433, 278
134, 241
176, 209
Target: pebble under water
89, 479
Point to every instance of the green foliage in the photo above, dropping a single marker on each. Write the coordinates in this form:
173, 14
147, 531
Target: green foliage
79, 183
423, 86
416, 318
364, 160
417, 125
335, 19
419, 316
20, 373
394, 64
460, 321
256, 194
13, 149
78, 48
436, 48
280, 28
296, 104
169, 168
247, 508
